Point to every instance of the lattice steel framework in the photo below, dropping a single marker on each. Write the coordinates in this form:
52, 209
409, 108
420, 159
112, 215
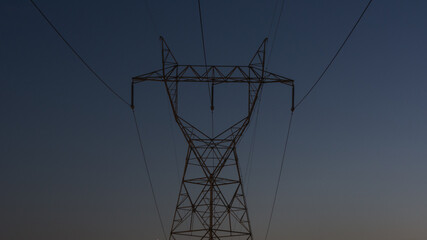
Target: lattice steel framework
211, 203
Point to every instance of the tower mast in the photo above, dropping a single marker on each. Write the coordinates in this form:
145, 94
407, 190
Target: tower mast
211, 202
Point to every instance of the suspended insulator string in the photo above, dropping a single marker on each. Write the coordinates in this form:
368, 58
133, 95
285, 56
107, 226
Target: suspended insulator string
280, 174
148, 174
336, 54
202, 32
78, 55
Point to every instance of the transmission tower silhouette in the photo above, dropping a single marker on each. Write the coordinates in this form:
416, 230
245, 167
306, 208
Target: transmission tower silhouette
211, 202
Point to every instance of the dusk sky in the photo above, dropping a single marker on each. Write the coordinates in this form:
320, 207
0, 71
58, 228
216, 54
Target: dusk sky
70, 163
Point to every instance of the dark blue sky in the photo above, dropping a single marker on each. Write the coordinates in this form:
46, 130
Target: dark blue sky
70, 164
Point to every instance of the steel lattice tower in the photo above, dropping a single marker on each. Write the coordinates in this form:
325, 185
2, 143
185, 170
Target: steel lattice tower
211, 202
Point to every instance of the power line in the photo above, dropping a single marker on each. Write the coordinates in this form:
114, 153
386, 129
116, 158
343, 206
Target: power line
205, 61
78, 55
248, 169
304, 97
336, 54
289, 126
148, 173
157, 33
202, 32
275, 31
121, 98
280, 174
172, 129
273, 17
251, 148
150, 16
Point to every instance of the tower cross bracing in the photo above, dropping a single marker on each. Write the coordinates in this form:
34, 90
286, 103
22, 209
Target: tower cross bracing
211, 202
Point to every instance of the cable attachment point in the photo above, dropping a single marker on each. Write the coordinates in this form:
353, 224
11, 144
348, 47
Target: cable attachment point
293, 98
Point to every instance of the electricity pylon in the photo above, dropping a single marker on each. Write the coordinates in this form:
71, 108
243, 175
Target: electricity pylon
211, 202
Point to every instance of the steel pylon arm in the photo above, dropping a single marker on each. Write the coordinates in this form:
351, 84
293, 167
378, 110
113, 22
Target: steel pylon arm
215, 74
251, 75
173, 73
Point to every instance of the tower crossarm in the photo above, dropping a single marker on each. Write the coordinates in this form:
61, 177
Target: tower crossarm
216, 74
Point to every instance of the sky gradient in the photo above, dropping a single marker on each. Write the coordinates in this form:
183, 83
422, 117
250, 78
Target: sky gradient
70, 165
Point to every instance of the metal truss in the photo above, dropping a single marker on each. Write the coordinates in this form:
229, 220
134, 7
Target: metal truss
211, 202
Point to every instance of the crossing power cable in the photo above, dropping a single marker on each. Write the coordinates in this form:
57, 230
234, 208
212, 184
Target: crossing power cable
148, 173
275, 31
121, 98
335, 56
78, 55
304, 97
248, 169
156, 32
289, 126
151, 18
272, 17
171, 124
280, 174
252, 144
202, 33
172, 130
